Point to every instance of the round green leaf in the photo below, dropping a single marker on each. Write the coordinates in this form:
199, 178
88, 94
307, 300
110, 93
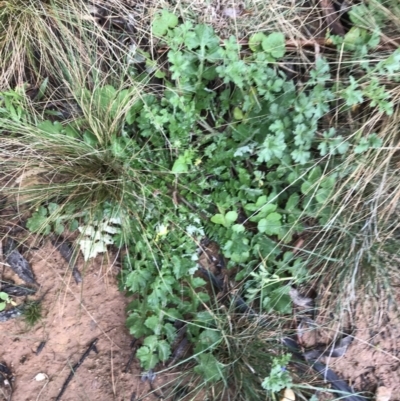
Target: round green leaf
238, 228
180, 165
256, 40
218, 219
4, 296
238, 114
274, 44
163, 22
231, 216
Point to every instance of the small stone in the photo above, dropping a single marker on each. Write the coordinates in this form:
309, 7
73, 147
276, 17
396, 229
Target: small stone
383, 394
40, 377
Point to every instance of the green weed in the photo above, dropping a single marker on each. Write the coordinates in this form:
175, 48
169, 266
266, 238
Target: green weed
4, 300
32, 313
214, 139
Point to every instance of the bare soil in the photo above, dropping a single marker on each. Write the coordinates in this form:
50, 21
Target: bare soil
371, 362
73, 316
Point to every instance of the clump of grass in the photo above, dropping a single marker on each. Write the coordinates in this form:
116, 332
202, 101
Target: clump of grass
32, 313
354, 249
243, 360
36, 35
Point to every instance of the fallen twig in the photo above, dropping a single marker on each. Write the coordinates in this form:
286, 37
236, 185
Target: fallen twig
179, 351
332, 18
40, 347
16, 290
133, 353
92, 346
18, 263
67, 253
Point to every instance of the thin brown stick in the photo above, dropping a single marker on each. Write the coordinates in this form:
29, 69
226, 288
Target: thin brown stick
92, 346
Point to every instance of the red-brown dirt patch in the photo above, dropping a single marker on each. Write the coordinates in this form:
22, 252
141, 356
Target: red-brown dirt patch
73, 316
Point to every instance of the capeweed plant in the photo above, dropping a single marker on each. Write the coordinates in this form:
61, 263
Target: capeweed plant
230, 148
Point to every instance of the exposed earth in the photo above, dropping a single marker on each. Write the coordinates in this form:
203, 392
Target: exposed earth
73, 316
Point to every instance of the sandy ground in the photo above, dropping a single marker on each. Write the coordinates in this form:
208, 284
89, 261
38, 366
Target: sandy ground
73, 316
373, 359
371, 362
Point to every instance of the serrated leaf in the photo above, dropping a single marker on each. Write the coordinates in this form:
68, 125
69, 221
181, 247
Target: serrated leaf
70, 131
203, 296
164, 21
209, 367
280, 301
292, 203
39, 223
136, 326
164, 350
275, 45
210, 337
153, 323
173, 313
49, 127
261, 200
151, 341
198, 282
322, 195
271, 224
148, 359
59, 228
300, 156
315, 174
170, 332
204, 38
305, 187
362, 146
205, 317
273, 146
374, 141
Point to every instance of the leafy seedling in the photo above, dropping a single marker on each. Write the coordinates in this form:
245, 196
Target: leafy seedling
163, 22
5, 300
